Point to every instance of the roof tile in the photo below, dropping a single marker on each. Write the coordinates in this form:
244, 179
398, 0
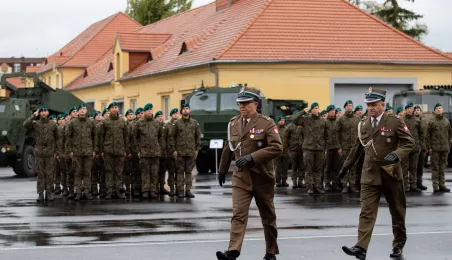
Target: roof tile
141, 42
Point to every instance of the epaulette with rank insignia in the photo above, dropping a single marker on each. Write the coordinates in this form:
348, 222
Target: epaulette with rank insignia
235, 117
265, 117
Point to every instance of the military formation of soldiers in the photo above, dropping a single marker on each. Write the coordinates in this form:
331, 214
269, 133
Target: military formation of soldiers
114, 156
318, 143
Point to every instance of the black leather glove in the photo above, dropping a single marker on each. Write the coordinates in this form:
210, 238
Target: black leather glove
244, 160
392, 157
221, 178
342, 173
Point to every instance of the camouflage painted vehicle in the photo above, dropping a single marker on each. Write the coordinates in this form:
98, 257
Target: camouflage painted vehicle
427, 98
16, 143
214, 107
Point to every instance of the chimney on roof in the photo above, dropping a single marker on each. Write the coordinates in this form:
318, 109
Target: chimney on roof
223, 4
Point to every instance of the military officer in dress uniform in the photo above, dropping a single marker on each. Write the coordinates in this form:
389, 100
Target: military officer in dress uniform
254, 142
385, 140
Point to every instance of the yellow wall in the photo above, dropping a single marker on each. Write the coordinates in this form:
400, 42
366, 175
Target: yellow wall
69, 74
123, 59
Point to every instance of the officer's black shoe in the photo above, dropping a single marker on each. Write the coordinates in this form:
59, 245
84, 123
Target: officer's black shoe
328, 187
78, 197
421, 187
227, 255
396, 252
435, 188
356, 251
40, 197
269, 257
145, 195
88, 196
413, 188
153, 195
443, 188
284, 184
188, 194
108, 196
57, 190
120, 195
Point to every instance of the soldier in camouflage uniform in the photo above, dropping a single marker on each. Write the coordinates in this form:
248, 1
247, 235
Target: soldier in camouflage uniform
389, 110
358, 111
185, 143
149, 137
315, 133
170, 162
332, 162
293, 137
46, 136
323, 114
53, 118
97, 172
338, 112
162, 167
69, 163
409, 163
60, 166
114, 147
439, 140
128, 165
281, 162
347, 131
423, 153
81, 135
400, 113
136, 174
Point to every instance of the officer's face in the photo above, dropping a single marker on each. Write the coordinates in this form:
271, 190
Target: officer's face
82, 112
315, 111
376, 108
417, 112
160, 118
114, 110
44, 113
349, 108
130, 116
409, 110
148, 113
185, 111
248, 109
331, 113
359, 113
281, 122
439, 110
175, 115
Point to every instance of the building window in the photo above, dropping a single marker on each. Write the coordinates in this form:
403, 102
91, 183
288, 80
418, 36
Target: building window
91, 104
166, 107
120, 105
103, 105
17, 67
133, 104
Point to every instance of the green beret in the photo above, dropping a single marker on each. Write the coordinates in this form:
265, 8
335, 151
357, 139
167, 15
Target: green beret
158, 113
388, 108
185, 105
97, 113
323, 112
105, 111
295, 112
338, 109
437, 105
330, 107
90, 115
130, 111
399, 109
148, 106
410, 104
138, 111
65, 115
74, 108
358, 107
81, 106
60, 116
279, 118
174, 110
43, 108
365, 113
112, 104
315, 104
347, 103
52, 117
418, 107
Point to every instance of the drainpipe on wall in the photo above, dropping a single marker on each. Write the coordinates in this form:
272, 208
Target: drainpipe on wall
215, 72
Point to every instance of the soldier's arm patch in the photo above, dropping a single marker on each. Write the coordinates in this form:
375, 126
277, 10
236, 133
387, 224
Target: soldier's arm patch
275, 130
405, 128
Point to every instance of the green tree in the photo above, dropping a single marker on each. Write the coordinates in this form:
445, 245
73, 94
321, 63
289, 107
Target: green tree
398, 17
151, 11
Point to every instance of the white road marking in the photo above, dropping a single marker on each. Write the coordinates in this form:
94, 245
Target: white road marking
204, 241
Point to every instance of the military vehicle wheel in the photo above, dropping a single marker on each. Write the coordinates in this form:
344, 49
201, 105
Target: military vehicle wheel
202, 164
26, 167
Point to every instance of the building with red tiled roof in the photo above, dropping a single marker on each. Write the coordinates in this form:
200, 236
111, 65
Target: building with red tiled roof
318, 50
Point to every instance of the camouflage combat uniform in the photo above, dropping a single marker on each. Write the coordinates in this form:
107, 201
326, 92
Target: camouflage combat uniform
61, 176
315, 133
98, 170
114, 144
81, 133
46, 136
170, 162
409, 163
69, 162
439, 139
423, 153
129, 165
347, 132
282, 161
185, 139
162, 166
149, 138
332, 162
293, 138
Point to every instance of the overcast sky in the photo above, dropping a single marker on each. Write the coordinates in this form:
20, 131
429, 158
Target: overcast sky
40, 27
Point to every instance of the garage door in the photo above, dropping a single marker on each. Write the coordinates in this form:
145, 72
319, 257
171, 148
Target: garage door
356, 92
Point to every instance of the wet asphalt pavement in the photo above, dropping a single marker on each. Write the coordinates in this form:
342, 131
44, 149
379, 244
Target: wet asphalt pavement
310, 227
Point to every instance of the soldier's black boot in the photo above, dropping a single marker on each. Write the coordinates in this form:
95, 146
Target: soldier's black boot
136, 193
443, 188
328, 187
57, 190
103, 193
163, 191
356, 251
94, 190
188, 194
71, 195
319, 190
127, 193
295, 183
413, 188
172, 193
108, 196
88, 196
396, 252
420, 186
180, 193
227, 255
284, 183
78, 197
65, 191
301, 185
435, 188
269, 257
40, 197
345, 189
120, 195
353, 189
153, 195
278, 183
145, 195
49, 196
311, 190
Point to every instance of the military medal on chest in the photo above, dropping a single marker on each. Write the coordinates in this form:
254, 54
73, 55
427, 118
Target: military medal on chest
252, 132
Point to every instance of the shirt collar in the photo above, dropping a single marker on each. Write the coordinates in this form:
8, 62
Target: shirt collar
378, 118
